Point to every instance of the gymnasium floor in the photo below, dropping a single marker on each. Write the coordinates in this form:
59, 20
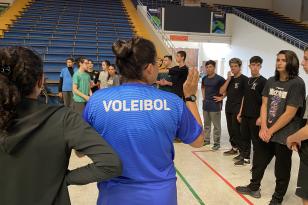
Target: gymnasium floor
205, 177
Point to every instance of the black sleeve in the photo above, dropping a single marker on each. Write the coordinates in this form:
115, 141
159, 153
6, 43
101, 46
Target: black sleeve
60, 84
84, 139
265, 91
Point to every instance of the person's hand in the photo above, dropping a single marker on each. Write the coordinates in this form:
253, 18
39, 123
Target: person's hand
190, 86
239, 118
87, 98
218, 98
263, 133
60, 94
269, 135
293, 143
230, 74
258, 121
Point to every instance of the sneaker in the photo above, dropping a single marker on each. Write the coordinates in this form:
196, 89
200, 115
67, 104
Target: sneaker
247, 191
237, 158
242, 162
232, 151
216, 147
274, 202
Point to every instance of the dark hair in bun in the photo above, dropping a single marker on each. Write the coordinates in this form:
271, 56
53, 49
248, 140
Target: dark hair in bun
20, 70
133, 56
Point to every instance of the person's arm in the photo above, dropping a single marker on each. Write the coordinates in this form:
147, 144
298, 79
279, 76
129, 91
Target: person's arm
60, 94
203, 89
190, 87
295, 139
84, 139
239, 115
77, 92
224, 87
283, 120
263, 117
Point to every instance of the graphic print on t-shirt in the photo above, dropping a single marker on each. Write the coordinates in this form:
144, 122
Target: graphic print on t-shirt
276, 98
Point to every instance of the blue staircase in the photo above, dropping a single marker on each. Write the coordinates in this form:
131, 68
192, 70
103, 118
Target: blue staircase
58, 29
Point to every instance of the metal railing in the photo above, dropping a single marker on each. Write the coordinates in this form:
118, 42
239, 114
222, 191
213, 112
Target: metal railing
276, 32
163, 35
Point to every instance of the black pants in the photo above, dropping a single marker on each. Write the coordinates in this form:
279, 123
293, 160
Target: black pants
263, 154
233, 129
249, 132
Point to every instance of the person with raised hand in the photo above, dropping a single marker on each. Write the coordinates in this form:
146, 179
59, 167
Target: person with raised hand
140, 122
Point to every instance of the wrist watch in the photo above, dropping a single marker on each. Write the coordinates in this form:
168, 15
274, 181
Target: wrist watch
191, 98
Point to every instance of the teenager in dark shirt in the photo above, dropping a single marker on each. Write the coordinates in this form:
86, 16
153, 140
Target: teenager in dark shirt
234, 89
299, 142
250, 111
163, 75
36, 139
94, 74
281, 115
66, 83
212, 104
178, 74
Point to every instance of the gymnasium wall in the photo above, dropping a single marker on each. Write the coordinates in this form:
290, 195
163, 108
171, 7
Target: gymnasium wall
248, 40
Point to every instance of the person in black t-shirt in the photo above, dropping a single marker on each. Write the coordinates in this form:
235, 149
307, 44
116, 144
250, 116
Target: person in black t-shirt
178, 75
300, 140
250, 111
234, 89
94, 76
281, 115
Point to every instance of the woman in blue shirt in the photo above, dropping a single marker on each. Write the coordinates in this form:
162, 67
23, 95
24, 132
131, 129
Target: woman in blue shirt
140, 122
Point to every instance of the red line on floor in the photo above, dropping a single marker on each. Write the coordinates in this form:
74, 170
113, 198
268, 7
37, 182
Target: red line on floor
220, 176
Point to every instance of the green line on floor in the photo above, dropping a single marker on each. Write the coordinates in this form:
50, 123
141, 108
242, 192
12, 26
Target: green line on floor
190, 187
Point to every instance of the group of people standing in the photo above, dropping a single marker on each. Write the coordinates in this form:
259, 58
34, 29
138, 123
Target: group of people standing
128, 130
267, 113
77, 84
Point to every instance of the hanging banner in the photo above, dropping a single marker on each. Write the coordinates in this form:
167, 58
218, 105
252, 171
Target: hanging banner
156, 15
218, 22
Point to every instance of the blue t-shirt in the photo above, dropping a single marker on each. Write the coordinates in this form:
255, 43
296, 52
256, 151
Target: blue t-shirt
140, 122
212, 86
67, 79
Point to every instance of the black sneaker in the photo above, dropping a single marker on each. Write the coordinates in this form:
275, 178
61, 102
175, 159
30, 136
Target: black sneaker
247, 191
274, 202
237, 158
242, 162
231, 152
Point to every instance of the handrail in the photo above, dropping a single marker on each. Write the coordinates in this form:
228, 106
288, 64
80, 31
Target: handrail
282, 35
164, 36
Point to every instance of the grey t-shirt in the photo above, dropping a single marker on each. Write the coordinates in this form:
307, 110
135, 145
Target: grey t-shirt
280, 95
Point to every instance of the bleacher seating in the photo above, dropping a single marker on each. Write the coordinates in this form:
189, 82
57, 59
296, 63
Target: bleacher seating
58, 29
282, 23
158, 3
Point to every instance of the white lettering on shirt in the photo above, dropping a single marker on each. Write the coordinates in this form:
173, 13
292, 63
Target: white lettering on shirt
278, 93
135, 105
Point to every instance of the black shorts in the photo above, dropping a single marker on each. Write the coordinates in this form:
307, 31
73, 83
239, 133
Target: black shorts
302, 181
